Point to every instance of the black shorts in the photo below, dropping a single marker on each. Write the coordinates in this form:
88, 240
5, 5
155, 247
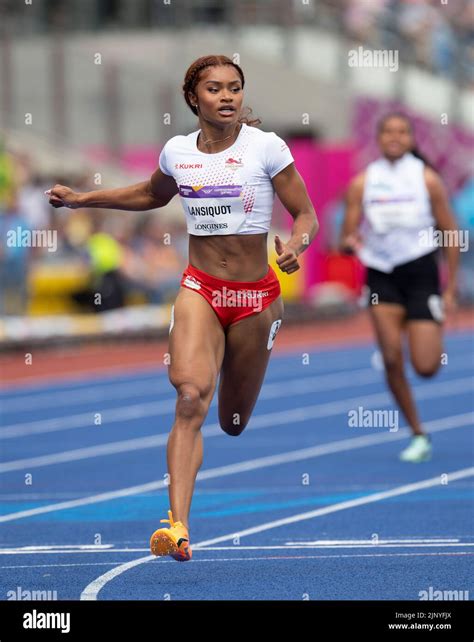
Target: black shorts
414, 285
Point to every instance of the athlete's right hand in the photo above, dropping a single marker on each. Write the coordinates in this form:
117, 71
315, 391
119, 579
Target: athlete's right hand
61, 196
351, 244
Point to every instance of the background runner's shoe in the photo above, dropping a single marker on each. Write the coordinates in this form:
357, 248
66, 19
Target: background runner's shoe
172, 541
419, 450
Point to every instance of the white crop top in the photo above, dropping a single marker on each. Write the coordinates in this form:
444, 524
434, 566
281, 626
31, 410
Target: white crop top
397, 214
229, 192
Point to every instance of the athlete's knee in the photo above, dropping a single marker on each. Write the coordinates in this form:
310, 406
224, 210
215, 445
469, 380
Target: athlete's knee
426, 370
393, 361
233, 425
190, 401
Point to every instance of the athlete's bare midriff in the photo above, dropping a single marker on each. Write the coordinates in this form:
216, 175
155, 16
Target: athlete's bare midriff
234, 257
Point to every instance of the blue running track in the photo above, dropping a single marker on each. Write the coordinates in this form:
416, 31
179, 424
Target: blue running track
301, 506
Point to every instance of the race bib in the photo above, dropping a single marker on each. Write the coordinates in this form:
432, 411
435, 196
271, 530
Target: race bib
217, 209
393, 214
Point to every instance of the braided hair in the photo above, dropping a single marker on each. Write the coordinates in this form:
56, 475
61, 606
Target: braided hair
192, 78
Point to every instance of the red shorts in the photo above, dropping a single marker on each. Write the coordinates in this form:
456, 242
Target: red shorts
233, 301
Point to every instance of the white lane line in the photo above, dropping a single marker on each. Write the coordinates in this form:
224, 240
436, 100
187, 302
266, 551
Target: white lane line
351, 503
92, 590
447, 423
53, 551
32, 403
59, 565
166, 406
61, 550
86, 419
160, 385
263, 420
58, 548
281, 364
113, 390
254, 559
340, 356
321, 546
109, 448
329, 542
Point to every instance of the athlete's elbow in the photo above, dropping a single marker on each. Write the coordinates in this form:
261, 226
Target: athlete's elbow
149, 200
313, 223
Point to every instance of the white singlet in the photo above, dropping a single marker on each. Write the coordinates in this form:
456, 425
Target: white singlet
229, 192
397, 214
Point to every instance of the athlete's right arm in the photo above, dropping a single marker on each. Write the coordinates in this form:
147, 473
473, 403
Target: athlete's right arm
350, 241
148, 195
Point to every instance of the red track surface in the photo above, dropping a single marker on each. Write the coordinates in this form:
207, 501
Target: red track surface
79, 361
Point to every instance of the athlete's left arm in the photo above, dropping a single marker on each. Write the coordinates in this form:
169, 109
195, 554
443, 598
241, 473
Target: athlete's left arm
445, 222
291, 191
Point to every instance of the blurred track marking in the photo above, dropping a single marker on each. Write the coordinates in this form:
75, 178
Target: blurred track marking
93, 588
339, 354
276, 547
341, 445
159, 385
329, 544
254, 559
262, 420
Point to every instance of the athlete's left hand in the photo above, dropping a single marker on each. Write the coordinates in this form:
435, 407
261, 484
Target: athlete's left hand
449, 301
287, 259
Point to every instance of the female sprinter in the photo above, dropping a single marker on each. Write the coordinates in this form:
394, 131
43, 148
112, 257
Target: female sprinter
228, 309
402, 201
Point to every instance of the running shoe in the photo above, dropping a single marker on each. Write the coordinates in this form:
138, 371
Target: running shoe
172, 541
418, 450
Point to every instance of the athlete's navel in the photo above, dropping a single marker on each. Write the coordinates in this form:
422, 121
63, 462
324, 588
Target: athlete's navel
223, 263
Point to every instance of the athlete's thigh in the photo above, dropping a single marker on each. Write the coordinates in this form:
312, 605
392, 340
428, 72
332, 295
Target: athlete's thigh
248, 347
425, 339
196, 343
388, 320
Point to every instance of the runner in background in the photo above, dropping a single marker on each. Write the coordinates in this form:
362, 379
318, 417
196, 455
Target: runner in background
393, 210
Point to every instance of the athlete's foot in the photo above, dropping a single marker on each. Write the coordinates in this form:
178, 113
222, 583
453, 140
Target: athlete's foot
418, 450
172, 541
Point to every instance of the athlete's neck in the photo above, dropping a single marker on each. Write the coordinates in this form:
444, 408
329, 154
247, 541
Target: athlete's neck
212, 139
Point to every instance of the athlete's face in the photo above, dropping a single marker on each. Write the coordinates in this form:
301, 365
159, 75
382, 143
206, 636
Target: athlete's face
219, 95
395, 138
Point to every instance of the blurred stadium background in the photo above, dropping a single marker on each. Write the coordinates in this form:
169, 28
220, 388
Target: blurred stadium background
90, 91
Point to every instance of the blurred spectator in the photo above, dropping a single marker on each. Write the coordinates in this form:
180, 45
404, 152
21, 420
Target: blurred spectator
463, 205
33, 203
152, 261
106, 289
439, 37
7, 175
15, 252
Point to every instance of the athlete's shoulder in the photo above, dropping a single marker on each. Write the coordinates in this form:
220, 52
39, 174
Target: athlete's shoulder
381, 161
262, 137
181, 140
357, 183
433, 180
173, 149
